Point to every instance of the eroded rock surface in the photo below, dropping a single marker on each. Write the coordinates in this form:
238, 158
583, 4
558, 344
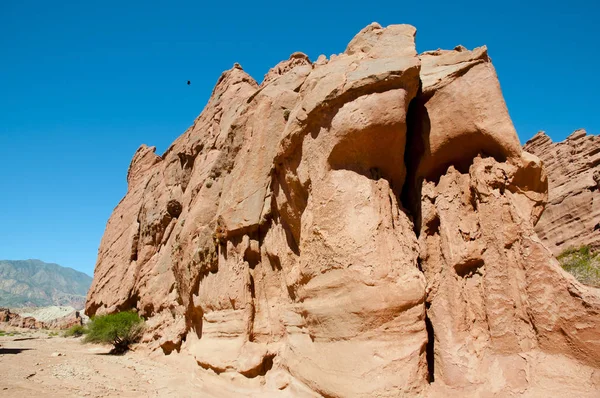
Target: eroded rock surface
16, 320
572, 215
358, 226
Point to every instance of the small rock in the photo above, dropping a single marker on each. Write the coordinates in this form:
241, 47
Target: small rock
57, 354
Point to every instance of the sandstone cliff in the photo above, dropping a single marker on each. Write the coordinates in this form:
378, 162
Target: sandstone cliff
358, 226
572, 215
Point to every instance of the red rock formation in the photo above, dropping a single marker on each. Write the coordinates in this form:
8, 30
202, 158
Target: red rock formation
360, 226
572, 215
65, 322
5, 315
16, 320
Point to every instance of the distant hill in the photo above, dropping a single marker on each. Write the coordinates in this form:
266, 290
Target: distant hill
34, 283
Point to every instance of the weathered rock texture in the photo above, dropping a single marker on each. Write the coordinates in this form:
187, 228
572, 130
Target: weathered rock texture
362, 226
16, 320
572, 215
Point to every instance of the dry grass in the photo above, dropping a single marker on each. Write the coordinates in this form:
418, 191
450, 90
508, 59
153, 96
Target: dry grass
583, 264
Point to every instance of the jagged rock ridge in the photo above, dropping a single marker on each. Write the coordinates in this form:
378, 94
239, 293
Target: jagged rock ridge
34, 283
572, 215
358, 226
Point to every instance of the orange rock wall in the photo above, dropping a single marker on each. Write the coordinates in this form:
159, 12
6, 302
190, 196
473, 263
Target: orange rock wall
360, 226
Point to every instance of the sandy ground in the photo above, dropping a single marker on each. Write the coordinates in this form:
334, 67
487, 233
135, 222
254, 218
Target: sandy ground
43, 364
30, 367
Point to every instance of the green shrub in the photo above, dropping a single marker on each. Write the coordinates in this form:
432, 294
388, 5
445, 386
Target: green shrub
75, 331
582, 263
120, 329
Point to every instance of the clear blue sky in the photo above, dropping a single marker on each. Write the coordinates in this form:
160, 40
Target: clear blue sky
84, 83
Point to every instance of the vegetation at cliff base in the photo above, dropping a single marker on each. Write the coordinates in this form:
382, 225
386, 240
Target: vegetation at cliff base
121, 330
75, 331
582, 263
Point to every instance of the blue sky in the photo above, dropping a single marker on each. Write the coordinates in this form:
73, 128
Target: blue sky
84, 83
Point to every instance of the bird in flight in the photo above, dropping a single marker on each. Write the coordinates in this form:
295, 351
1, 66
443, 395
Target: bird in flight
189, 82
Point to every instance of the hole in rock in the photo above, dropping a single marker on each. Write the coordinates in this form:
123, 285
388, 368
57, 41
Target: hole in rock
169, 346
433, 226
135, 243
429, 351
222, 250
418, 127
186, 160
195, 320
275, 262
267, 364
148, 310
468, 267
420, 264
262, 369
92, 307
473, 198
252, 256
252, 288
134, 253
174, 208
129, 304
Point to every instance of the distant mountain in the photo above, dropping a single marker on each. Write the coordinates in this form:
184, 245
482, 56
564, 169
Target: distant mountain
34, 283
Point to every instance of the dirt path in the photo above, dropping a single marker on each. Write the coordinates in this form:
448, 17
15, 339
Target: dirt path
30, 366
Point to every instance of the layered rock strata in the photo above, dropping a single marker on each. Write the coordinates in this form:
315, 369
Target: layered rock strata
16, 320
572, 215
358, 226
